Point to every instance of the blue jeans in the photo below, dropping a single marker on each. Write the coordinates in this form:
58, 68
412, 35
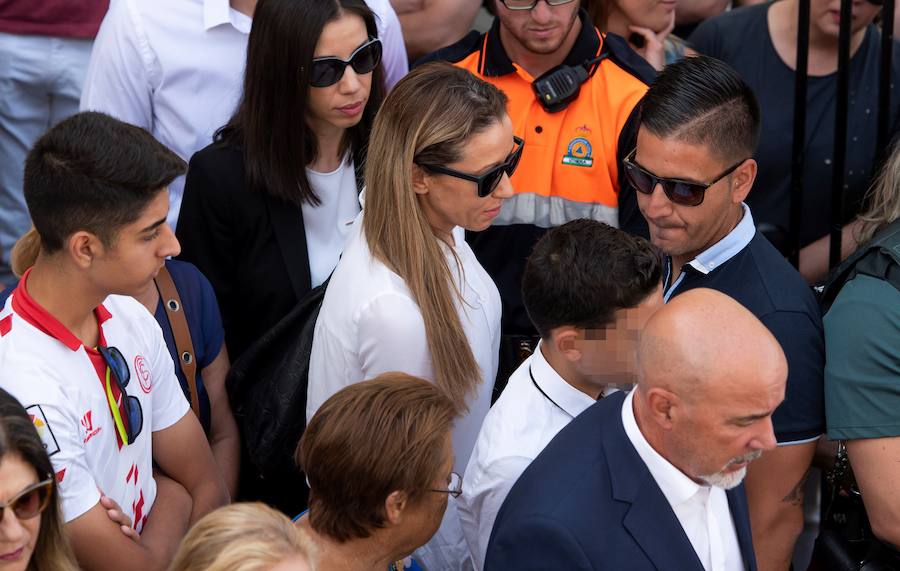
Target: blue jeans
40, 85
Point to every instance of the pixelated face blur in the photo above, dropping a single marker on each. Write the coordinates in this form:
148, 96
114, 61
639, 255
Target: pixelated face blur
17, 536
541, 30
726, 427
684, 231
826, 16
138, 251
653, 14
340, 106
608, 356
449, 201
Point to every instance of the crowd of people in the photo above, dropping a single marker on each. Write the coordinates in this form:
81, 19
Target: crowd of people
511, 297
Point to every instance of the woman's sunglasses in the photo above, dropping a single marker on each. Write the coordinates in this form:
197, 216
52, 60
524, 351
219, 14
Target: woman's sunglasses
326, 71
683, 192
487, 181
29, 502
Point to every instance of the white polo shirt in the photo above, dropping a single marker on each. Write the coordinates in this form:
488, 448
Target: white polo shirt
702, 511
176, 68
369, 324
50, 372
535, 405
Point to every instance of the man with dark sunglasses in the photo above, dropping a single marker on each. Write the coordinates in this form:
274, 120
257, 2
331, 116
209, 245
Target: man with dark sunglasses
693, 170
571, 166
89, 362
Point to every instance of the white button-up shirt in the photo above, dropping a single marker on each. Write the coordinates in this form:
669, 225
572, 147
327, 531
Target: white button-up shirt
702, 510
528, 414
176, 68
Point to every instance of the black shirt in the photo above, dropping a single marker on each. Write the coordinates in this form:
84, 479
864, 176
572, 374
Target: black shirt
741, 38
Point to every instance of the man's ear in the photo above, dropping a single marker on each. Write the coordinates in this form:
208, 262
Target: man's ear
663, 406
394, 506
742, 181
563, 339
83, 248
419, 179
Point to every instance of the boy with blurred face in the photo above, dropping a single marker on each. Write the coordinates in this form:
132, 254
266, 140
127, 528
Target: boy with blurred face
693, 170
89, 362
589, 289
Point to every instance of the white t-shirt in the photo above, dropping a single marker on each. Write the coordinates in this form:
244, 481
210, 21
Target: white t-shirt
327, 224
369, 324
49, 371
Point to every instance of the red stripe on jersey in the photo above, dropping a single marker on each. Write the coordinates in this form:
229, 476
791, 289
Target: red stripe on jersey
5, 325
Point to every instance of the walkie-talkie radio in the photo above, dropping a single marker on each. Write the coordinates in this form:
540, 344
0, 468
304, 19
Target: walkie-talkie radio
559, 86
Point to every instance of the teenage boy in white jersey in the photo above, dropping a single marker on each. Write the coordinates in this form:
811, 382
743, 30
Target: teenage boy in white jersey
89, 362
588, 288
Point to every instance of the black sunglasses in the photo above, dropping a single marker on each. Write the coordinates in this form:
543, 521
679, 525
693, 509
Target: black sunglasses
529, 4
489, 180
326, 71
122, 376
29, 502
683, 192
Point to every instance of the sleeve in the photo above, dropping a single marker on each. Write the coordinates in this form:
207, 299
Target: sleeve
707, 38
205, 229
394, 59
119, 79
862, 373
534, 543
392, 338
208, 344
483, 494
169, 403
801, 417
60, 430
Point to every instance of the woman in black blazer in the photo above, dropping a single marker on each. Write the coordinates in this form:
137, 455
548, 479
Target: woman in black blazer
266, 204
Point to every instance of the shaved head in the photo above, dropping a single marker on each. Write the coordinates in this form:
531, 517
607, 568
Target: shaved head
710, 375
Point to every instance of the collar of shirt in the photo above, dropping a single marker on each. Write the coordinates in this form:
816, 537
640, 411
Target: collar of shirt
32, 312
495, 61
675, 485
720, 252
572, 401
218, 12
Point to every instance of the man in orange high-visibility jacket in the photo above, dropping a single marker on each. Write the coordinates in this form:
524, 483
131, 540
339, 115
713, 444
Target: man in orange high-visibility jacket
572, 161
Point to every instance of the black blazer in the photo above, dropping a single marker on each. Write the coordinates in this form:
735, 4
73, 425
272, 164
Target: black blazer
251, 246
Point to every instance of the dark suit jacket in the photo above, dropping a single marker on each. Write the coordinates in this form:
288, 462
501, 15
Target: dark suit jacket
250, 246
589, 502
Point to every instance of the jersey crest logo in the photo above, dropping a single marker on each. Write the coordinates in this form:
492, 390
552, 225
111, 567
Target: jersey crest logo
88, 425
39, 420
143, 374
578, 153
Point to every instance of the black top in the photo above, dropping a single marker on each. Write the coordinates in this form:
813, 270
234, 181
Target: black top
251, 246
741, 39
759, 278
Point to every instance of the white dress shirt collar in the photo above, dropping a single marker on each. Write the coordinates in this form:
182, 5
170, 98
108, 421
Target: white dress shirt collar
218, 12
572, 401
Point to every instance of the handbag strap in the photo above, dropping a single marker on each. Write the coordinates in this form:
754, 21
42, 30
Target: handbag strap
175, 313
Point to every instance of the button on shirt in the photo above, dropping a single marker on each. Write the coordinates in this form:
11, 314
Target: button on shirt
520, 424
176, 68
702, 511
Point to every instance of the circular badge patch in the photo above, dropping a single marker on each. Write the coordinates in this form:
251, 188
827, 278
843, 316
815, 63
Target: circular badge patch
143, 373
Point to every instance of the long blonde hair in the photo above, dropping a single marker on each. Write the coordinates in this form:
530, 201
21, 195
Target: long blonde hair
883, 199
240, 537
428, 117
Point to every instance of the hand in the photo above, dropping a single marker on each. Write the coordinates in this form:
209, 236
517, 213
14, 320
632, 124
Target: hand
118, 517
653, 49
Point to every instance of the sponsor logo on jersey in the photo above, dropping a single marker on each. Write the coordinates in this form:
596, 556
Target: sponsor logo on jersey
87, 424
143, 373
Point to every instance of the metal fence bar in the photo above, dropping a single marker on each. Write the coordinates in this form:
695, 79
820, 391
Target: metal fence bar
799, 142
840, 134
884, 83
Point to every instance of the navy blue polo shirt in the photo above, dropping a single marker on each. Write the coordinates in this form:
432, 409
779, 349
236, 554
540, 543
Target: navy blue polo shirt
745, 266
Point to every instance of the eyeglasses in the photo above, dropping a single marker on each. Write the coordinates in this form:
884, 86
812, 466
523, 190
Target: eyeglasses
529, 4
29, 502
134, 414
454, 486
488, 181
326, 71
683, 192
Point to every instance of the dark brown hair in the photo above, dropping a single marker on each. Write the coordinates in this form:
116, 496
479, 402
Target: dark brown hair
367, 441
270, 124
